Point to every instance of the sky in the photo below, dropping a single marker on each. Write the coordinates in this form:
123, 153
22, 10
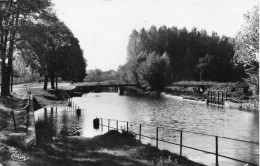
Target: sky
103, 26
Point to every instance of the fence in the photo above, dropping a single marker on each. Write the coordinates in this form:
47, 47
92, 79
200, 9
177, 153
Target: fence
180, 144
217, 97
26, 107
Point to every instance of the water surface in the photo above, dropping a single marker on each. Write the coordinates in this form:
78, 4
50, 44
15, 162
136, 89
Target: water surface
168, 111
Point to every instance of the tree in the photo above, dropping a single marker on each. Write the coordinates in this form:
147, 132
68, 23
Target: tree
133, 47
154, 71
13, 15
185, 51
247, 49
204, 64
55, 49
20, 67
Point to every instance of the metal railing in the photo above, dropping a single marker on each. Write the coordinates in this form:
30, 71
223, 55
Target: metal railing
140, 135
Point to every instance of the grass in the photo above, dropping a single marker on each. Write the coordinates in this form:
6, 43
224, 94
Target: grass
113, 148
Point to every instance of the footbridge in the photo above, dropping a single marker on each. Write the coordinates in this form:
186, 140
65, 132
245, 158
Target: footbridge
88, 87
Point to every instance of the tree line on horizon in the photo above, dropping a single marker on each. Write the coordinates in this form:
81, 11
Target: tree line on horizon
157, 57
32, 37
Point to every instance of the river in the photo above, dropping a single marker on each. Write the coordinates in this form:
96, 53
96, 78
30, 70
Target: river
176, 114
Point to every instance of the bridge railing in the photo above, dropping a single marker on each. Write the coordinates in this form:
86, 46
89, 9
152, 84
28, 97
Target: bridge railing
140, 134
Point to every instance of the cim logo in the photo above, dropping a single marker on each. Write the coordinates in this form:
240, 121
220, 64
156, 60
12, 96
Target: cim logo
18, 157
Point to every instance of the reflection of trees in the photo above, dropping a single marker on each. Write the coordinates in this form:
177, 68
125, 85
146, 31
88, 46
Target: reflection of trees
45, 128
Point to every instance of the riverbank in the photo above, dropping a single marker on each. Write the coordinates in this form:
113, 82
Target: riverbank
112, 148
45, 97
238, 95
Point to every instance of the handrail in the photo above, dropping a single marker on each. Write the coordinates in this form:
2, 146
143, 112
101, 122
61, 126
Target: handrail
187, 131
23, 108
181, 145
28, 102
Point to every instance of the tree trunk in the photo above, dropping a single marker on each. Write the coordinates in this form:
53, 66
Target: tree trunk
4, 88
45, 82
52, 82
5, 91
12, 79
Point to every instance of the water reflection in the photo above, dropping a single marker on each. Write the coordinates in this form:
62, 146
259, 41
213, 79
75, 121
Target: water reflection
167, 111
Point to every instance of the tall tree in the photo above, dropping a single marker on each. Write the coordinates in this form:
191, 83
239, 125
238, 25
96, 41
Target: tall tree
185, 49
56, 49
247, 49
12, 16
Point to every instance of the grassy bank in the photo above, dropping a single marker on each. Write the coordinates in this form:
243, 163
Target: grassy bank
45, 97
112, 148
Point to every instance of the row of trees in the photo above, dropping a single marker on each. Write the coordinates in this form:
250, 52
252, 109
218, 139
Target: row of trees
30, 30
181, 55
97, 75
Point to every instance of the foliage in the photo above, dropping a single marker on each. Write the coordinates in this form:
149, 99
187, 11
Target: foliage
20, 67
157, 56
13, 15
148, 69
247, 49
52, 49
187, 54
98, 75
154, 71
204, 64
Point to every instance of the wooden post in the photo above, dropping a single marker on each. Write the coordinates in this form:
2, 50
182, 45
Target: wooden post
157, 137
226, 95
140, 130
108, 124
216, 150
127, 126
222, 94
12, 113
218, 97
181, 144
117, 125
211, 96
215, 98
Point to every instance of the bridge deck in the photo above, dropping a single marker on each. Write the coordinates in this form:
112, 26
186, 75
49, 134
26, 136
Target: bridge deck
103, 85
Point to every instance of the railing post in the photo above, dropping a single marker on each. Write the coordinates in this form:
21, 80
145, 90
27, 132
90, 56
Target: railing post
117, 125
216, 150
157, 137
12, 113
218, 97
181, 144
140, 130
211, 97
127, 126
214, 97
108, 124
102, 124
226, 95
222, 94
